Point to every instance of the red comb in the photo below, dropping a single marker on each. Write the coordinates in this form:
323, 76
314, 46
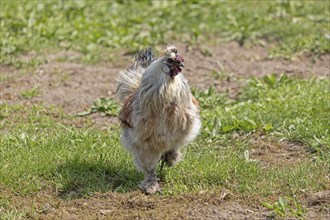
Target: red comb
179, 58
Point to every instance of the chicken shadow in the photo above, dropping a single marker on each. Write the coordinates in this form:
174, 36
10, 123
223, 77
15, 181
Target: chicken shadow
81, 178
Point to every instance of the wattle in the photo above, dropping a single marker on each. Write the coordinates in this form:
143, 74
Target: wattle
175, 71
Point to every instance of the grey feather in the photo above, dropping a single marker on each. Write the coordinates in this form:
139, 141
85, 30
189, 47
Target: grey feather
143, 58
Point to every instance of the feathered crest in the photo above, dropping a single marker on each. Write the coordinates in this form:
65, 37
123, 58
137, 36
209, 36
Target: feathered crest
171, 47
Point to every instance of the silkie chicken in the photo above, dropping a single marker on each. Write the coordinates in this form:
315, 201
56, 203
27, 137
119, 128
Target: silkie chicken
159, 114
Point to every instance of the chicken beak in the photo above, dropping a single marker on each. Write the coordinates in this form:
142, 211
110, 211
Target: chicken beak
181, 65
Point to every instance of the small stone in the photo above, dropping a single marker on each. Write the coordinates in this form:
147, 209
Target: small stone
105, 211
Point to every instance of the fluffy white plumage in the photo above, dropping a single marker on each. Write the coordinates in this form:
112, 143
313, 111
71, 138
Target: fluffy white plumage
159, 113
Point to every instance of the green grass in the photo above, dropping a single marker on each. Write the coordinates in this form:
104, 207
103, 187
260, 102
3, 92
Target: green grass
283, 208
94, 28
105, 105
28, 94
297, 110
40, 149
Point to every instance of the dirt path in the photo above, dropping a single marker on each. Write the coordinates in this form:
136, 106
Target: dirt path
74, 87
135, 205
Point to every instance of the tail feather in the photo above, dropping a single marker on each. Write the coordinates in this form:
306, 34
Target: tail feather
144, 58
129, 80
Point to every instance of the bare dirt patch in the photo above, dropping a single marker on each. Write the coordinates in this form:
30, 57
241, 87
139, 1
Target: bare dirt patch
135, 205
279, 154
70, 86
318, 205
138, 206
232, 65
